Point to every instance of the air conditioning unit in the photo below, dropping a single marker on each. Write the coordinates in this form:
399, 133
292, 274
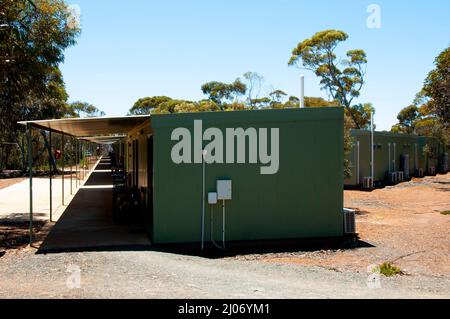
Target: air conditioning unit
393, 178
419, 173
432, 171
400, 177
368, 183
349, 221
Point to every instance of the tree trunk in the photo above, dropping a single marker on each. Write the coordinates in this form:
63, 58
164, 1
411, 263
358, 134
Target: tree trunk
349, 110
6, 156
1, 158
21, 145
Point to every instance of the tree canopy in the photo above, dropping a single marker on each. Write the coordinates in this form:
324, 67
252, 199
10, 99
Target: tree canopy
83, 109
148, 104
254, 86
430, 112
360, 114
220, 92
437, 88
33, 37
317, 54
33, 40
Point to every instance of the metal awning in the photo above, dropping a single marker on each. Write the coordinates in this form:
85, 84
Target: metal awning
85, 131
109, 139
104, 128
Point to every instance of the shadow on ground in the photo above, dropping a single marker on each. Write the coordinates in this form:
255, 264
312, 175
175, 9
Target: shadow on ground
87, 226
16, 234
87, 223
265, 247
211, 252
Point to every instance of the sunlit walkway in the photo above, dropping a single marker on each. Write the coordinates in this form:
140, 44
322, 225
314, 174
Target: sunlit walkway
87, 223
15, 204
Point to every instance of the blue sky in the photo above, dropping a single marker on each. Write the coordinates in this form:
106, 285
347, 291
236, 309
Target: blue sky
137, 48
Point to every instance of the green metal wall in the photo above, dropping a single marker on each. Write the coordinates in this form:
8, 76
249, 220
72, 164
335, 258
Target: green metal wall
411, 145
305, 198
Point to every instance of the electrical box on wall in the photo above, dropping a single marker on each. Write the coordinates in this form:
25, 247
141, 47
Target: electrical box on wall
224, 190
212, 198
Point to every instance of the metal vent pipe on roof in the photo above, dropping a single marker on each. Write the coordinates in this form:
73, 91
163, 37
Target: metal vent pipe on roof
302, 91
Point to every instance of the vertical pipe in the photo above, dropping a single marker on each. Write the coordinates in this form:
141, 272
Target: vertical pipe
76, 163
51, 179
373, 145
357, 165
88, 159
85, 162
223, 221
71, 167
389, 145
63, 153
416, 159
204, 153
30, 165
82, 161
302, 91
394, 161
120, 151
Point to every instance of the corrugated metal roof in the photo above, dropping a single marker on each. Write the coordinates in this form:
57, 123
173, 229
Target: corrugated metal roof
109, 139
92, 128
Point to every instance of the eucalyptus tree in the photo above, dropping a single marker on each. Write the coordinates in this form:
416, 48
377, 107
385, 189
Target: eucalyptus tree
437, 88
33, 37
220, 92
343, 79
254, 86
147, 105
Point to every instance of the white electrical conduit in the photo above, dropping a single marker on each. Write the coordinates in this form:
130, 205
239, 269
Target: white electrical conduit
373, 145
223, 228
395, 157
357, 165
212, 230
390, 162
204, 153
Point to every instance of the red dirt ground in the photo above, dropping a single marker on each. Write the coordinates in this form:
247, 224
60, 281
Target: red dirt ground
9, 182
405, 225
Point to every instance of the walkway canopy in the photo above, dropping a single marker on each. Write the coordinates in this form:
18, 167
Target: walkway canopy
101, 131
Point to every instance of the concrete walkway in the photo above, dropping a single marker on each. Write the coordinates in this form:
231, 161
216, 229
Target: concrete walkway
87, 224
15, 201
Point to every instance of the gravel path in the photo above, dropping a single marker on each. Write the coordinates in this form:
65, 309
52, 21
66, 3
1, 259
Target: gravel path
162, 275
405, 220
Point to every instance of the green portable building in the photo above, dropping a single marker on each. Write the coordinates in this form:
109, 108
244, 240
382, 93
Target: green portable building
302, 199
392, 153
